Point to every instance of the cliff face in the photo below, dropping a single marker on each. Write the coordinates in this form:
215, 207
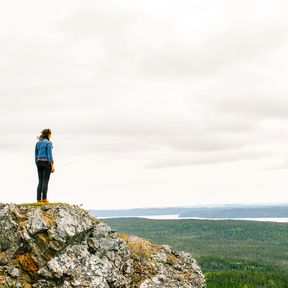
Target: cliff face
59, 245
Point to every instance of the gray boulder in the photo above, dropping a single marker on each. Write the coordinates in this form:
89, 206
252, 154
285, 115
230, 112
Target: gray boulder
59, 245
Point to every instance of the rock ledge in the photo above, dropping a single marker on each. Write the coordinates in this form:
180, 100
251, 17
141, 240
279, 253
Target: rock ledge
59, 245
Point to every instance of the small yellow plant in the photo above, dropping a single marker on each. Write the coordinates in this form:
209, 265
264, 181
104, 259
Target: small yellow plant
140, 248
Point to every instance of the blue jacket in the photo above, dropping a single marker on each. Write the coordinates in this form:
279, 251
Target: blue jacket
43, 149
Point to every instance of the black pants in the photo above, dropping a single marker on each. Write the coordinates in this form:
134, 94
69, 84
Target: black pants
44, 170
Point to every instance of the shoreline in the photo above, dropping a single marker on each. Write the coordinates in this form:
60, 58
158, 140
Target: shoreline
176, 217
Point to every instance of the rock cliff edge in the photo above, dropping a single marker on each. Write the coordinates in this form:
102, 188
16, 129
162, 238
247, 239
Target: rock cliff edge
59, 245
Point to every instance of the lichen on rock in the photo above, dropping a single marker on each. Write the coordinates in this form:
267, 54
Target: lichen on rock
59, 245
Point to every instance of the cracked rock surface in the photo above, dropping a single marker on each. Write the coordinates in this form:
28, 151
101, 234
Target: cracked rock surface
59, 245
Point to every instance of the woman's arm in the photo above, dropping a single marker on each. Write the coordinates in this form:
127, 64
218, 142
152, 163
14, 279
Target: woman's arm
36, 153
50, 156
49, 152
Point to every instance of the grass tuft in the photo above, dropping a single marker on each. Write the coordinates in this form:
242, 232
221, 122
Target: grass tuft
40, 204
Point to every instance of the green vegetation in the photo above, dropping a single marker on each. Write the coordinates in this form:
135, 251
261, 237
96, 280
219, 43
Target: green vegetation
232, 253
35, 204
239, 279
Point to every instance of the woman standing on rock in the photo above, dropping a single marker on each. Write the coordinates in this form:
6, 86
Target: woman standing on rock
45, 164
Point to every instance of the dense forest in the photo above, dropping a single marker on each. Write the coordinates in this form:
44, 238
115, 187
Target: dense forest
239, 279
242, 254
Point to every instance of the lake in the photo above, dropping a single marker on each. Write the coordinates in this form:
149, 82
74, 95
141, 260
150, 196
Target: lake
176, 217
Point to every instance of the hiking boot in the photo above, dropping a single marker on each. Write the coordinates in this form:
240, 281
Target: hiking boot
45, 201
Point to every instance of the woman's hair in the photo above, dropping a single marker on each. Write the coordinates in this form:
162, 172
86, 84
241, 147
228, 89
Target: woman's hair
44, 134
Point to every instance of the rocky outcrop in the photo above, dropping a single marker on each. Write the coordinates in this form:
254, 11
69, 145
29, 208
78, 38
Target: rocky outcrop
58, 245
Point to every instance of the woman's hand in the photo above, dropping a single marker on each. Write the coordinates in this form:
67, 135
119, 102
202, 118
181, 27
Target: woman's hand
52, 168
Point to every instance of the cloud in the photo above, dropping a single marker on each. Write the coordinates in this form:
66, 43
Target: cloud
142, 79
210, 158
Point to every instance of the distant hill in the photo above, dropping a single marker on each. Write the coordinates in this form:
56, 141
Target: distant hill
244, 212
139, 212
240, 211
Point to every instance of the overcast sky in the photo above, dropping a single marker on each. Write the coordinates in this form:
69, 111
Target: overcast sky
151, 103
